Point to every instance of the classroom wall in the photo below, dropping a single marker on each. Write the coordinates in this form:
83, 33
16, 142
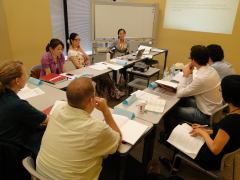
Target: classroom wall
179, 42
29, 28
5, 48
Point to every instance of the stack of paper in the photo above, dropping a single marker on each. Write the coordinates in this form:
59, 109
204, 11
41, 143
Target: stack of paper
182, 139
167, 84
27, 92
130, 129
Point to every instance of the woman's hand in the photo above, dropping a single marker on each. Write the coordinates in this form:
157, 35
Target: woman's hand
198, 132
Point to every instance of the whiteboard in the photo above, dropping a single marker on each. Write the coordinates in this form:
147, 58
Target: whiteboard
137, 19
215, 16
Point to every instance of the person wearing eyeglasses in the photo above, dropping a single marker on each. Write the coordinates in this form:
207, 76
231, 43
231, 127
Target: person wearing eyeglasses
76, 54
104, 85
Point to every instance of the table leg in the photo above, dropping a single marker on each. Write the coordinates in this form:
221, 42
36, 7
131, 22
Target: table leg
149, 146
123, 167
115, 76
165, 60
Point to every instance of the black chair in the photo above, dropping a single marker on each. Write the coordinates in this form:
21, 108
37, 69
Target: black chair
11, 156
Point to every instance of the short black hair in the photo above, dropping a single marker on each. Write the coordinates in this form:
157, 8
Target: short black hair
230, 89
72, 37
215, 52
53, 44
200, 54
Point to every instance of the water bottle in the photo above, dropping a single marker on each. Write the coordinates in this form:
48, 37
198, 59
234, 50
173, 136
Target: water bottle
166, 75
108, 57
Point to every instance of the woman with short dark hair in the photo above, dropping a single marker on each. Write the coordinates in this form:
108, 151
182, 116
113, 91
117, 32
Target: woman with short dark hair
224, 138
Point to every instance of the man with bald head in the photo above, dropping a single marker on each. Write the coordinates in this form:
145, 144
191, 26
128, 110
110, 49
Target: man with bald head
75, 143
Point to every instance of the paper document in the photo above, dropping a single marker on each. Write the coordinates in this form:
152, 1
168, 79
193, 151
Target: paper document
157, 50
182, 140
130, 129
27, 92
153, 102
112, 66
99, 66
149, 56
57, 103
147, 49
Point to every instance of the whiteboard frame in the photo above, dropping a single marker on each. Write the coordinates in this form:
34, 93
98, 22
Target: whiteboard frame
155, 20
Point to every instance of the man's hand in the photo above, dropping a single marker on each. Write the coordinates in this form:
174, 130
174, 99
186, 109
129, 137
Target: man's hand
101, 104
188, 69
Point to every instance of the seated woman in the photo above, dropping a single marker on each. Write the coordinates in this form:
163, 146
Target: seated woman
80, 59
120, 47
19, 121
53, 60
224, 138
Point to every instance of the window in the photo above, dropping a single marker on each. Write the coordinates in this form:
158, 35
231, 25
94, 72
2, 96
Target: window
79, 21
57, 18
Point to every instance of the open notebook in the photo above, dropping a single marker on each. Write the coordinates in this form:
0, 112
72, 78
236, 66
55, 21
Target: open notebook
182, 140
130, 129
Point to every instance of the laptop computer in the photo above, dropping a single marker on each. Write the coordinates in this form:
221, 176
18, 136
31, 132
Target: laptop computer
136, 56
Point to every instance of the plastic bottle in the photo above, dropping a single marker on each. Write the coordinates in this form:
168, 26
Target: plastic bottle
108, 57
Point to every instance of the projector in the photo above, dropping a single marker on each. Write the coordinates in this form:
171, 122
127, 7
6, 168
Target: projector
140, 66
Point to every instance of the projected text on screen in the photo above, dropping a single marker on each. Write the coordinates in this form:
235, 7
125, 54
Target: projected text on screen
215, 16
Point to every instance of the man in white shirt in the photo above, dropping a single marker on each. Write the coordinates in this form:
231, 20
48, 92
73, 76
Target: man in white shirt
201, 95
74, 143
216, 60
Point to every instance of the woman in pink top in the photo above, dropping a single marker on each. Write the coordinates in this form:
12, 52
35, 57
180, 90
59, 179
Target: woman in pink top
53, 60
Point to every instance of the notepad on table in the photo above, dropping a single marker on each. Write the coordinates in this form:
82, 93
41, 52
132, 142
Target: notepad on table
53, 78
49, 110
27, 92
182, 140
130, 129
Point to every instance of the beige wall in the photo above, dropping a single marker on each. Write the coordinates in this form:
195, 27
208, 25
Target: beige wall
29, 28
179, 42
5, 48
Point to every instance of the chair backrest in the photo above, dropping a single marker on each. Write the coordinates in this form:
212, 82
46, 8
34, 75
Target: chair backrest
35, 71
68, 66
29, 165
218, 114
230, 166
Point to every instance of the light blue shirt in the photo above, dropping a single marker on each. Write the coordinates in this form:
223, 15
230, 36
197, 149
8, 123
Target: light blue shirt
223, 68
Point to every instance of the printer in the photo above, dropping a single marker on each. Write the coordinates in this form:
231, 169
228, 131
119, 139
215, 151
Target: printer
140, 66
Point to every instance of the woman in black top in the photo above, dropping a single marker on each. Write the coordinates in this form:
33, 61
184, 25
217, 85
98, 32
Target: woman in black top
224, 138
19, 121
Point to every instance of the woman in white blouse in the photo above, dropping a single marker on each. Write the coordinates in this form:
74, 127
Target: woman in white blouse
79, 58
76, 54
